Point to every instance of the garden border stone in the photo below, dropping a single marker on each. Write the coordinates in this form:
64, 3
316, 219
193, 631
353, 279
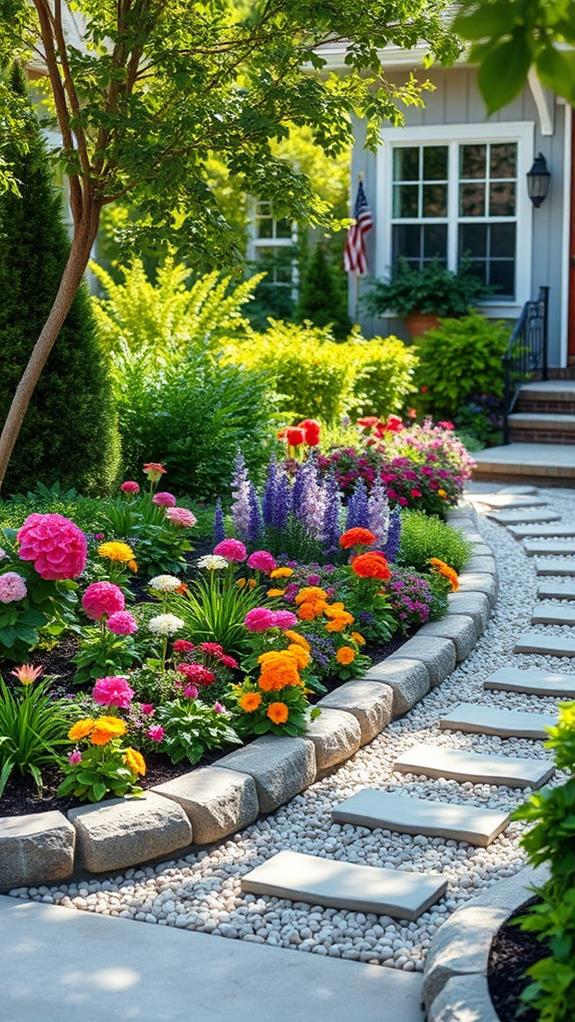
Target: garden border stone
387, 691
37, 848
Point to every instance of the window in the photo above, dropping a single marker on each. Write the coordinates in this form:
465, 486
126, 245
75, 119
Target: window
272, 247
456, 194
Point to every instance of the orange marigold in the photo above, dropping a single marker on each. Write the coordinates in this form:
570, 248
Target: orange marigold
302, 657
371, 565
135, 761
81, 729
339, 623
357, 537
281, 573
250, 701
107, 728
345, 655
334, 610
278, 713
358, 638
308, 612
310, 593
300, 640
447, 571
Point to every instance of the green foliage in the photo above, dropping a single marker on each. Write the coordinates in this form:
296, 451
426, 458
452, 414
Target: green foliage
70, 431
214, 608
192, 728
551, 840
458, 359
322, 299
509, 39
159, 546
317, 377
425, 536
101, 654
32, 727
103, 770
434, 289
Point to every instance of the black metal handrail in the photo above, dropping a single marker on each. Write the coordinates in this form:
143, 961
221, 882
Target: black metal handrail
527, 353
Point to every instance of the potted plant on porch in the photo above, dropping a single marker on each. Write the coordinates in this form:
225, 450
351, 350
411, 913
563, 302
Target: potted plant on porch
422, 296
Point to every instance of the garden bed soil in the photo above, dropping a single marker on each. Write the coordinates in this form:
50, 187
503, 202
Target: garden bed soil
512, 952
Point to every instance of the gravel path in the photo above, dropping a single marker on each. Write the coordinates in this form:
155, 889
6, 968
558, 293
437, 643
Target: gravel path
202, 891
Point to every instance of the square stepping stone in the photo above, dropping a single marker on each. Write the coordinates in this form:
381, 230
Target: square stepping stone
518, 516
337, 884
552, 645
373, 808
551, 615
556, 591
541, 531
461, 765
555, 566
536, 683
511, 500
488, 720
549, 547
525, 490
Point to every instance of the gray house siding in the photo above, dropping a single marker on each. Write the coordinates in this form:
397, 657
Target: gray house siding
456, 100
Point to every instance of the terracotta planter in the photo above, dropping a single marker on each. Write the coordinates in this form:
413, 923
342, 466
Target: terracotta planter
419, 323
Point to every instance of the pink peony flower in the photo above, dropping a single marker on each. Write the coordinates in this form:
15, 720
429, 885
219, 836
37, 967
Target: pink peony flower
12, 587
147, 709
56, 546
284, 619
102, 599
156, 733
113, 691
261, 560
130, 486
197, 674
75, 757
259, 619
121, 622
191, 692
231, 549
183, 646
164, 499
181, 516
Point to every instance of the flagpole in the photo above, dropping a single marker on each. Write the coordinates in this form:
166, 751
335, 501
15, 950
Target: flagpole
360, 180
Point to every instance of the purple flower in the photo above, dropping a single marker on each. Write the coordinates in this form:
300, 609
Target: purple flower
241, 497
331, 526
219, 525
391, 548
269, 494
255, 523
357, 507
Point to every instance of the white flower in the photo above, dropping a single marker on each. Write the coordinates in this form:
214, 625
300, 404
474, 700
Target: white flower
3, 554
165, 624
213, 562
165, 583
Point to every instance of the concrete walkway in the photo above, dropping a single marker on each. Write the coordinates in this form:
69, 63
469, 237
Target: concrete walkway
60, 965
544, 464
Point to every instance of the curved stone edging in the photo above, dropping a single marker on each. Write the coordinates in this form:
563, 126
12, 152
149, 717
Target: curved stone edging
455, 985
210, 803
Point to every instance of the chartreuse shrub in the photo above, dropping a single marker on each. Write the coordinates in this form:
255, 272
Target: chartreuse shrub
424, 537
551, 840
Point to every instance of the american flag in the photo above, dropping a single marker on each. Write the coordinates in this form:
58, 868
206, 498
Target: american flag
354, 256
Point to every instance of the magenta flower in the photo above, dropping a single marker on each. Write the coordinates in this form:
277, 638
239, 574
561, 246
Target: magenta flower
164, 499
219, 708
74, 757
55, 545
147, 709
102, 599
181, 516
284, 619
197, 674
232, 549
259, 619
113, 691
12, 587
191, 692
156, 733
121, 622
261, 560
130, 486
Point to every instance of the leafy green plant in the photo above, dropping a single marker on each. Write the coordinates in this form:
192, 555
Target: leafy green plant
159, 546
551, 840
323, 292
425, 536
214, 607
433, 289
32, 728
192, 728
99, 770
101, 653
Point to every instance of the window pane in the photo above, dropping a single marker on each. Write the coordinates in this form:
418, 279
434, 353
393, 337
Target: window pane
405, 200
406, 163
263, 208
264, 227
472, 200
435, 163
503, 159
502, 199
473, 240
502, 277
472, 161
435, 200
502, 240
407, 241
283, 229
435, 242
478, 268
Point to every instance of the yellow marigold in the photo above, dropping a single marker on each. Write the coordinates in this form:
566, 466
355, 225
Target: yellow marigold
251, 583
442, 493
337, 624
241, 583
107, 728
334, 609
300, 640
117, 551
345, 655
302, 657
278, 713
81, 729
281, 573
250, 701
276, 592
447, 571
310, 593
358, 638
133, 566
135, 761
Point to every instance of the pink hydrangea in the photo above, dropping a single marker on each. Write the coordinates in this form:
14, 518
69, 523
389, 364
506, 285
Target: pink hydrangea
113, 691
121, 622
259, 619
130, 486
219, 707
261, 560
181, 516
102, 599
164, 499
231, 549
12, 587
55, 545
284, 619
156, 733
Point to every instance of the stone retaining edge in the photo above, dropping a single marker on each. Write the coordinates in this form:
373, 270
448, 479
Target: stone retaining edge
214, 802
455, 983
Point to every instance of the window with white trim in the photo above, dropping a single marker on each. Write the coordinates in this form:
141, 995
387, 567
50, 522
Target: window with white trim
273, 241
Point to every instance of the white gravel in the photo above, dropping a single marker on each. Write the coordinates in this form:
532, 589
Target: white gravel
202, 891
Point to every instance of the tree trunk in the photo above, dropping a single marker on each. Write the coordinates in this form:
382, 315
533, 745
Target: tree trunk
71, 277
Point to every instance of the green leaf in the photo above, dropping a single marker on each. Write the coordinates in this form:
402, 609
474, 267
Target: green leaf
502, 73
557, 70
489, 20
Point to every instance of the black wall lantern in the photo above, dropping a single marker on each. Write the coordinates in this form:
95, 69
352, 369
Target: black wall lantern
538, 180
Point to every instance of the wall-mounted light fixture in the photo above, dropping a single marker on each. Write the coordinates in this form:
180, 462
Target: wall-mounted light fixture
538, 180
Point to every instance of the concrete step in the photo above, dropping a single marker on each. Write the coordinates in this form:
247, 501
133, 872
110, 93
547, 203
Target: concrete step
489, 720
539, 642
523, 517
548, 464
549, 547
541, 531
345, 885
555, 566
542, 428
462, 765
381, 809
532, 682
525, 490
546, 397
549, 614
556, 591
503, 501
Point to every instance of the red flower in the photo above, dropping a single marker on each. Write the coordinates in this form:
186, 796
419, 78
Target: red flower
368, 421
311, 431
293, 435
356, 537
446, 424
415, 493
424, 388
183, 646
371, 565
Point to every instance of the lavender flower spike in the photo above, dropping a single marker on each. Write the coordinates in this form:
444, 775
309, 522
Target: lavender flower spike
269, 494
378, 512
255, 525
331, 518
219, 524
241, 498
357, 507
391, 548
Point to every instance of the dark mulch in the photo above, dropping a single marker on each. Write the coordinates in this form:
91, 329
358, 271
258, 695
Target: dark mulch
512, 952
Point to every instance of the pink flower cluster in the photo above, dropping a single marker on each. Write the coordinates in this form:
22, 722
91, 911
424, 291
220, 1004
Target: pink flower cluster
113, 691
232, 549
260, 619
197, 674
55, 545
261, 560
164, 499
130, 486
121, 622
181, 517
12, 587
102, 599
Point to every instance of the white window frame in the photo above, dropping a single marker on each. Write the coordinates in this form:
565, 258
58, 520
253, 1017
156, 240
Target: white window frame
452, 135
256, 244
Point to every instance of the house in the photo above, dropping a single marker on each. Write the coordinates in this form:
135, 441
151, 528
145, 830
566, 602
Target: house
453, 182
